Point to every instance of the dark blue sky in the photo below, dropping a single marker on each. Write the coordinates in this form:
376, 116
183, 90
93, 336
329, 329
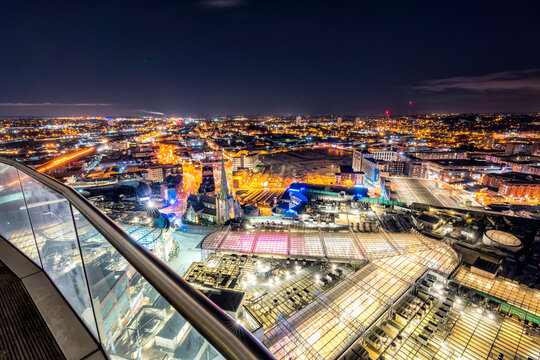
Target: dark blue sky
245, 57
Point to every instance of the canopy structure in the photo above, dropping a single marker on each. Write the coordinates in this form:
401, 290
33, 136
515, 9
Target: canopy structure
337, 317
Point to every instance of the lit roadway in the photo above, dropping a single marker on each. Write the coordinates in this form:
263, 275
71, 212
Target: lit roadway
148, 137
167, 155
61, 160
64, 159
190, 187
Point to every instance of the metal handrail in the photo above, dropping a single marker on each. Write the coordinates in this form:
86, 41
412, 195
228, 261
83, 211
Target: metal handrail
229, 338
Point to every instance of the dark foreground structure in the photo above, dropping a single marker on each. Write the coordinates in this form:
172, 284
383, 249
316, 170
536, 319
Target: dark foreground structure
74, 285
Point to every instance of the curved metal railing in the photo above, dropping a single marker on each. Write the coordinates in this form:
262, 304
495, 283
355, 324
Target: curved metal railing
218, 328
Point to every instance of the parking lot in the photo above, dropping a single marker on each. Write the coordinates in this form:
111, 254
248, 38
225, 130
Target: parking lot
422, 191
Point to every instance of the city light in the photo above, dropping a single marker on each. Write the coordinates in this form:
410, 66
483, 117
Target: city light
231, 179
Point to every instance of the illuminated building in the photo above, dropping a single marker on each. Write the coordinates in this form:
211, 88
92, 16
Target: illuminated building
394, 168
514, 185
374, 168
371, 168
386, 155
337, 312
383, 262
519, 148
440, 169
502, 240
201, 208
214, 209
207, 186
418, 169
158, 173
245, 161
347, 176
521, 191
525, 164
119, 145
357, 160
439, 155
193, 142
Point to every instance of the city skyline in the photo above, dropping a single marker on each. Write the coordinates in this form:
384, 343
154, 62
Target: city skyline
270, 180
209, 58
364, 237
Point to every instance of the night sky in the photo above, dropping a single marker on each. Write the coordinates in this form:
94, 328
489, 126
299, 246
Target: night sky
218, 57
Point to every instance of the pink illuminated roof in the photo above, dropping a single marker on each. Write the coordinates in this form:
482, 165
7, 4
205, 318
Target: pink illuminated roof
272, 243
238, 241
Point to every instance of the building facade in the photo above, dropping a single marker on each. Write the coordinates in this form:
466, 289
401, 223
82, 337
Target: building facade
245, 161
386, 155
514, 185
159, 173
357, 160
440, 155
348, 177
418, 169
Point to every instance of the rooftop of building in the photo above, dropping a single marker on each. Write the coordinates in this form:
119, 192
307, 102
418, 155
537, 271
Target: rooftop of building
428, 218
518, 178
348, 169
486, 265
503, 238
461, 162
432, 151
336, 189
519, 158
163, 166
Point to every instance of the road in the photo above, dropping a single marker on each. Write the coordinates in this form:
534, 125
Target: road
190, 187
167, 155
61, 160
64, 159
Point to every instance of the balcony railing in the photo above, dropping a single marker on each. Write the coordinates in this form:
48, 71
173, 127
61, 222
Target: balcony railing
133, 303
